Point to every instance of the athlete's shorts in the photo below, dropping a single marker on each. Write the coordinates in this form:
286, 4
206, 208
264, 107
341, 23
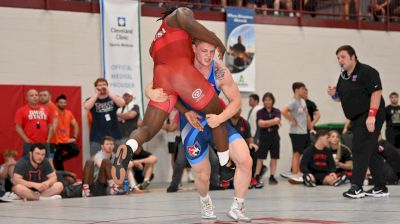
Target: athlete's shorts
271, 145
319, 178
299, 142
181, 80
196, 142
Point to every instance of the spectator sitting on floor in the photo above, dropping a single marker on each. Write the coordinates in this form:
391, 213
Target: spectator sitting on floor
341, 154
34, 178
144, 161
7, 169
72, 186
317, 164
97, 180
391, 154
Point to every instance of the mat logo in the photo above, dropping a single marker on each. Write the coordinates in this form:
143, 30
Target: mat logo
194, 150
121, 21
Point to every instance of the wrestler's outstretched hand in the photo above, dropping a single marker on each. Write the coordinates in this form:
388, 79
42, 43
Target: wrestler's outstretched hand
193, 119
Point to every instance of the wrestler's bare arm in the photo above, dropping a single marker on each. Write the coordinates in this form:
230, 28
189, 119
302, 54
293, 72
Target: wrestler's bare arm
231, 91
183, 18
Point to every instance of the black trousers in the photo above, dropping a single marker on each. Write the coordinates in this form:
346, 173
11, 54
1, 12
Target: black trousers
365, 150
393, 136
59, 156
391, 155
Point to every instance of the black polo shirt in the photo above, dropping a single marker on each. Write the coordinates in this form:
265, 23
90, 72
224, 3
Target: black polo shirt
311, 108
264, 114
355, 92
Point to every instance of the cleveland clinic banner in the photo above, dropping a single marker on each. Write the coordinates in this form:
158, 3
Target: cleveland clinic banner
120, 46
240, 57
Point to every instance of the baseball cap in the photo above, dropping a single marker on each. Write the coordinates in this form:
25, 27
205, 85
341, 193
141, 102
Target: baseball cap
129, 92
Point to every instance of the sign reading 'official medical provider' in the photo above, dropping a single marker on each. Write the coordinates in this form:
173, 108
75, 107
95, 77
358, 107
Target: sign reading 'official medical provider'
120, 46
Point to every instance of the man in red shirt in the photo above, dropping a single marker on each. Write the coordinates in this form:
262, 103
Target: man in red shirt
45, 100
65, 139
33, 122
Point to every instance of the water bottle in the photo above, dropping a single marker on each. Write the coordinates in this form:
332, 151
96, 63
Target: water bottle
125, 185
334, 97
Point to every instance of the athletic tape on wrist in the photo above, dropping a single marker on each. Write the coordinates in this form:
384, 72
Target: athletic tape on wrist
372, 112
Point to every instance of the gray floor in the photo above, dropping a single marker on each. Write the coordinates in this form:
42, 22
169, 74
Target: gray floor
283, 203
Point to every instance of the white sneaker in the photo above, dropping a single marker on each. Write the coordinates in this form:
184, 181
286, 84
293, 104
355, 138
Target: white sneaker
113, 190
10, 196
54, 197
5, 196
286, 174
237, 214
207, 209
296, 179
85, 191
13, 196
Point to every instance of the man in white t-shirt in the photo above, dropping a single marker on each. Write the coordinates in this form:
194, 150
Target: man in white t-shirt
128, 115
254, 99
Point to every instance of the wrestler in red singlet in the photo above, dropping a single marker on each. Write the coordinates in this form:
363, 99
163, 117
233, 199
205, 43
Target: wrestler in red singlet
175, 73
174, 70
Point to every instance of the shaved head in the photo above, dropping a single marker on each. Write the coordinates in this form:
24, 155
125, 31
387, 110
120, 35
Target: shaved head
32, 97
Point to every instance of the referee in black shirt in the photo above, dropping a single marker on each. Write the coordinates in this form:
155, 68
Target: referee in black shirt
359, 90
